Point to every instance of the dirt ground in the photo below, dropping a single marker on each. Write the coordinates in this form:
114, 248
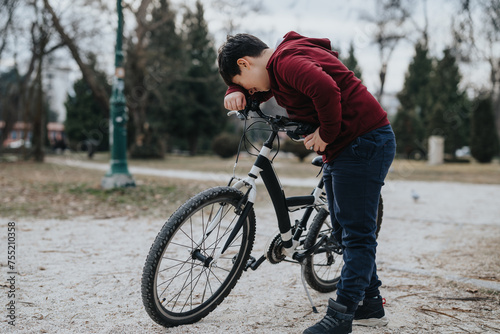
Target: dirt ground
438, 259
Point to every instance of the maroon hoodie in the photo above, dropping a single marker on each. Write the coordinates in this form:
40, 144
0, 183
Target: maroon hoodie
312, 84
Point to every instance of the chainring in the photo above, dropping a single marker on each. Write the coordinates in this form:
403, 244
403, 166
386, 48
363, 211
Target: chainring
274, 252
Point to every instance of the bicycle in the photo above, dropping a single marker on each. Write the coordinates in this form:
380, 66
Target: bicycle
202, 249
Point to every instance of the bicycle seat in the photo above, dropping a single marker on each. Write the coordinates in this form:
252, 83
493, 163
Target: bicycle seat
318, 161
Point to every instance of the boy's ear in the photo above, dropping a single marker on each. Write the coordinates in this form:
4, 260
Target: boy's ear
243, 63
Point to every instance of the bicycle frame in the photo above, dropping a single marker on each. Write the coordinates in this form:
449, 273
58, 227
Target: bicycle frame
282, 205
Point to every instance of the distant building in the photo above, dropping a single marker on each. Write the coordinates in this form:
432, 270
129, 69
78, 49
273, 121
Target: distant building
22, 135
19, 133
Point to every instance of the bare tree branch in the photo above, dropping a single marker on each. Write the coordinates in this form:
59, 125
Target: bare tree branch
88, 74
389, 19
7, 6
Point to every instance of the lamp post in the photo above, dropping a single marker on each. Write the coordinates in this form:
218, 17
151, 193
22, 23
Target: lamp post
118, 175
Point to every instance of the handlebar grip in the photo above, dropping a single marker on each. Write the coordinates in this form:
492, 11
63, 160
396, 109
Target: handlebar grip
301, 131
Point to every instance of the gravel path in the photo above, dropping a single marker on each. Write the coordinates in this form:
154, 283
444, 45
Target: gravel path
438, 260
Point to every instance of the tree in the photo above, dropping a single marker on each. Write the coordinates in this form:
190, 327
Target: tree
415, 94
484, 143
414, 102
85, 124
7, 9
448, 116
9, 102
26, 97
389, 19
352, 63
476, 32
198, 113
154, 64
233, 11
409, 132
99, 91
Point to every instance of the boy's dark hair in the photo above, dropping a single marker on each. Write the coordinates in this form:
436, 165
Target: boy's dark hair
234, 48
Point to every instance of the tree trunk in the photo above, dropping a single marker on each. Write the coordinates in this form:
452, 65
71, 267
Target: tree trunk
193, 144
382, 74
39, 117
88, 74
496, 109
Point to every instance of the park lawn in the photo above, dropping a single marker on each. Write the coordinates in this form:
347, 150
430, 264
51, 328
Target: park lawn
287, 165
55, 191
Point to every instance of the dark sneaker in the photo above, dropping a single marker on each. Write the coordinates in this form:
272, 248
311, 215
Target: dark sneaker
336, 321
371, 313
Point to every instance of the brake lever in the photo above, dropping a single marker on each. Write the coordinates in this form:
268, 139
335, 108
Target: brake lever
252, 105
237, 113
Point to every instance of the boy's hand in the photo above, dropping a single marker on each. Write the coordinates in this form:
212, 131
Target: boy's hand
314, 142
235, 101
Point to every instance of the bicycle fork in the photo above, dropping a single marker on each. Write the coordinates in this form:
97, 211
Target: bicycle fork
247, 203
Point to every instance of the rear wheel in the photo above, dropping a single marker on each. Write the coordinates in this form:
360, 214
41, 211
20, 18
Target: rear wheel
322, 269
181, 281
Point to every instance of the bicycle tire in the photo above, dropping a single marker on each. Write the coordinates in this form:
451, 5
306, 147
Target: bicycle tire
178, 288
322, 269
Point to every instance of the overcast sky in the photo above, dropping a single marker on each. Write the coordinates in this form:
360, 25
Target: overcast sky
342, 22
339, 20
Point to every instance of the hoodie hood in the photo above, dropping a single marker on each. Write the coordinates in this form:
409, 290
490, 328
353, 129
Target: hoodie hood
296, 39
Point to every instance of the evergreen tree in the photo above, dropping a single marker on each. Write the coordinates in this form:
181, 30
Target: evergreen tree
409, 132
415, 93
448, 116
484, 143
198, 113
352, 63
156, 91
85, 123
414, 105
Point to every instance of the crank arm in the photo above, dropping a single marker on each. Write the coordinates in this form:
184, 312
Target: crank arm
308, 252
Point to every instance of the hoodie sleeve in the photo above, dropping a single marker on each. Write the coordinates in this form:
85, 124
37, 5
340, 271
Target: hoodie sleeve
306, 76
260, 96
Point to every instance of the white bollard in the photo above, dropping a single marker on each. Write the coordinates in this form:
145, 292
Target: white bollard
436, 150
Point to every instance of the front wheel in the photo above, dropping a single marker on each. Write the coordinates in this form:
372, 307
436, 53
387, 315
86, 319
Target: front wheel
183, 281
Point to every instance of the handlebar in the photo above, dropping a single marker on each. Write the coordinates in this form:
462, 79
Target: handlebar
278, 123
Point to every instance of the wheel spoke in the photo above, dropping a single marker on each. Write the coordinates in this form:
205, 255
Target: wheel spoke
185, 268
178, 294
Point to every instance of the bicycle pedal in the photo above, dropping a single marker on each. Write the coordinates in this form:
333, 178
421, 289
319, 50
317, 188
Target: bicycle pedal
253, 263
250, 262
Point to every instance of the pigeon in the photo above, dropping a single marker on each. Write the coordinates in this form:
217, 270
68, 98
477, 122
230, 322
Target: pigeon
415, 195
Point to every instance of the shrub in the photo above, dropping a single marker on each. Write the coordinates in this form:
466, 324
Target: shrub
225, 145
153, 150
484, 140
298, 149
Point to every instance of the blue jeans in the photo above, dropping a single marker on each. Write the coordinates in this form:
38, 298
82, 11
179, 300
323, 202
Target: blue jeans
353, 182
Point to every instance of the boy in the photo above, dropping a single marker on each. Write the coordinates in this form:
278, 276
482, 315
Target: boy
354, 137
